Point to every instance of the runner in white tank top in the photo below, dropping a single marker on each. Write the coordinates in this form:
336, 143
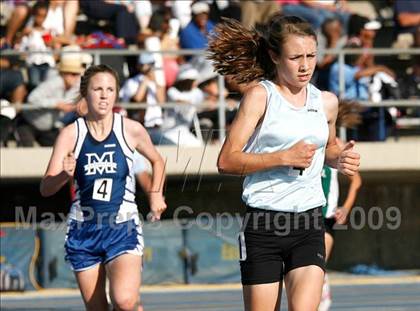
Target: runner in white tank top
283, 133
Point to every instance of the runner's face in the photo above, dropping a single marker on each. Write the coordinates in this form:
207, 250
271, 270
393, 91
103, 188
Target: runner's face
102, 93
296, 64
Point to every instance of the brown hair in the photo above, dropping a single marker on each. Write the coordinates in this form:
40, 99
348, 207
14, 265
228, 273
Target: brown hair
243, 53
349, 114
93, 70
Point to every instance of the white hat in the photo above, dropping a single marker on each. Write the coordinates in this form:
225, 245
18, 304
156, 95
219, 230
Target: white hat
187, 72
85, 58
200, 7
71, 65
372, 25
146, 58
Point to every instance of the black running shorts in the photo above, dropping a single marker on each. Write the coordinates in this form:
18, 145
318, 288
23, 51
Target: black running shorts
273, 243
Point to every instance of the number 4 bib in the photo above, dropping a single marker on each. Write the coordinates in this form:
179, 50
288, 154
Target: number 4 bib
102, 189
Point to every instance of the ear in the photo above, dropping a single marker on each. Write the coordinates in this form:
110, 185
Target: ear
273, 56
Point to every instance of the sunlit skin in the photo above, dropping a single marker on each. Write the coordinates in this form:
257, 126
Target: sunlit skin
40, 16
101, 95
296, 63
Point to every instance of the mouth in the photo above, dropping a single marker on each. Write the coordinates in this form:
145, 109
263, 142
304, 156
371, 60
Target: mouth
103, 105
304, 77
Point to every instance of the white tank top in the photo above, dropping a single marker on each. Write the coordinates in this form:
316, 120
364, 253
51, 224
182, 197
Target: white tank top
284, 188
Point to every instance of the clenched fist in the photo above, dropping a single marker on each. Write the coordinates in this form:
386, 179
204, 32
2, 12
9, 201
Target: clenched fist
349, 160
157, 206
300, 155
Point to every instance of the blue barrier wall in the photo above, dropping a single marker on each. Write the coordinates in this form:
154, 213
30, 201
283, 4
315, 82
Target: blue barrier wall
54, 272
214, 249
161, 261
18, 250
203, 251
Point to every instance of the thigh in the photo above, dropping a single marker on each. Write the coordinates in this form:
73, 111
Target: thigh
329, 243
92, 287
260, 250
262, 297
304, 288
124, 273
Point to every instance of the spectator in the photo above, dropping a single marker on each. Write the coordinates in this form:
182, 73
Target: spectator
126, 26
194, 35
12, 85
37, 38
410, 82
12, 94
54, 99
316, 12
179, 120
60, 20
143, 88
208, 114
407, 16
181, 9
17, 19
224, 8
161, 29
54, 23
257, 12
332, 31
356, 78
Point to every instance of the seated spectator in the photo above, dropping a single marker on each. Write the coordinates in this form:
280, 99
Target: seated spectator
12, 84
18, 17
362, 33
55, 98
161, 28
54, 23
125, 21
228, 9
144, 12
257, 12
60, 20
181, 9
356, 78
410, 82
143, 88
333, 37
365, 83
208, 114
179, 120
194, 35
37, 38
407, 16
316, 12
12, 94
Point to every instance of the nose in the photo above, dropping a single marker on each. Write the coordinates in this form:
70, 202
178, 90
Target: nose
304, 65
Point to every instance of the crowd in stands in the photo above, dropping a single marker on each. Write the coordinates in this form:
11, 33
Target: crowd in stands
49, 81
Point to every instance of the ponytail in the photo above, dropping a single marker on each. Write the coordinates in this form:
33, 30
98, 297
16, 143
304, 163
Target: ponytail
240, 52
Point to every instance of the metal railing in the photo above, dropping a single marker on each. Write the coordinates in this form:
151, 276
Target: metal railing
97, 53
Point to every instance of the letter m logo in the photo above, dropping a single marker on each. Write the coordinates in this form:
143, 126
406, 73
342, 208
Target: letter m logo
104, 163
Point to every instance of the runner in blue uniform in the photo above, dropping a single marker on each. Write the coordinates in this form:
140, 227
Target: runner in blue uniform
104, 235
283, 133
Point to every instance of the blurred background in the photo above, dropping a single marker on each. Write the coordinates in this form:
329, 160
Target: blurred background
369, 55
